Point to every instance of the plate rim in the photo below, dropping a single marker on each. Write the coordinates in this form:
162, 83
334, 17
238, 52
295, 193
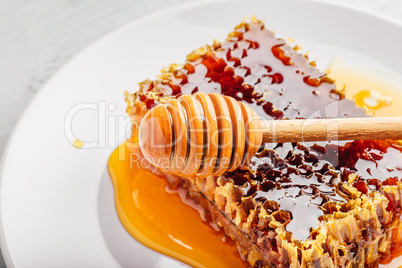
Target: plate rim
7, 147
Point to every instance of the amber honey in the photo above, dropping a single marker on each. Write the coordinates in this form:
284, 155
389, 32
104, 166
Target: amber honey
379, 92
376, 90
161, 221
294, 184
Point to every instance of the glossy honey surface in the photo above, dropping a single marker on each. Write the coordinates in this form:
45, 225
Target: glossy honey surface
377, 90
163, 222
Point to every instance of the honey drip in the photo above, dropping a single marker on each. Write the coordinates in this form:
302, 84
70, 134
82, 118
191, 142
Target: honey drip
161, 221
78, 144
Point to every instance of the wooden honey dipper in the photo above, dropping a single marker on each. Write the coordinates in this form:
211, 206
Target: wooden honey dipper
208, 134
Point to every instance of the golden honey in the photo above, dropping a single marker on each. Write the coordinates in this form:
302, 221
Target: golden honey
376, 90
78, 144
163, 222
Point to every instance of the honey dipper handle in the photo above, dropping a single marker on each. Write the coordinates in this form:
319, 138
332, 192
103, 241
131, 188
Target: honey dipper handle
367, 128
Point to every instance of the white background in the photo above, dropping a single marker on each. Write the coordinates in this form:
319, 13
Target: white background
38, 37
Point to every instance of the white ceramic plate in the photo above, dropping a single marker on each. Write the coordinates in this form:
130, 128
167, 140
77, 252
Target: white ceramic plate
57, 205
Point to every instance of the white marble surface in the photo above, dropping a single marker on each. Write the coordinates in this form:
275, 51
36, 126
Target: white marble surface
38, 37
